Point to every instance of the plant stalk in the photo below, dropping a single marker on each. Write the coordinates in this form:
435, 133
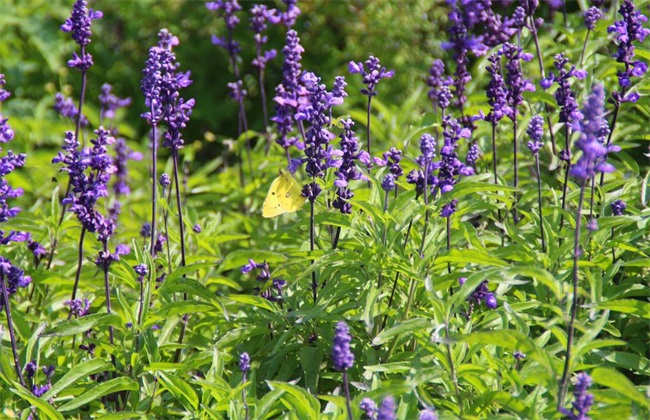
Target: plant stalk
12, 334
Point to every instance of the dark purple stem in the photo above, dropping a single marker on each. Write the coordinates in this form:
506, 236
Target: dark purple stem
314, 280
539, 202
564, 383
182, 234
12, 334
346, 386
368, 124
80, 257
567, 133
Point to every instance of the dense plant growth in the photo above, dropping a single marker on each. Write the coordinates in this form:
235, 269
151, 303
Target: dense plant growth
473, 246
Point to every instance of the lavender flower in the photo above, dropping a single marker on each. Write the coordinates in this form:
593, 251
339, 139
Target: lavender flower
30, 369
518, 355
564, 95
391, 159
425, 161
228, 10
145, 231
449, 208
66, 108
439, 82
348, 170
260, 16
161, 239
449, 166
591, 141
38, 391
197, 228
369, 408
288, 17
342, 356
105, 258
122, 155
289, 91
264, 276
318, 155
582, 399
592, 15
244, 363
37, 249
141, 270
387, 409
78, 24
473, 155
78, 307
496, 91
372, 72
388, 183
618, 207
165, 181
428, 414
535, 132
110, 103
629, 30
338, 93
515, 82
481, 294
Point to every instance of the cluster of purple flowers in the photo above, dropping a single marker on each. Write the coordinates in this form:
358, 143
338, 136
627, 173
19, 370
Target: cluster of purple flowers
78, 24
564, 95
391, 159
260, 16
582, 400
496, 91
348, 171
371, 72
319, 154
628, 31
593, 130
592, 15
439, 83
535, 132
65, 107
228, 10
515, 82
161, 83
618, 207
342, 356
264, 275
450, 167
289, 92
385, 411
78, 307
424, 178
89, 171
480, 294
110, 103
244, 363
30, 371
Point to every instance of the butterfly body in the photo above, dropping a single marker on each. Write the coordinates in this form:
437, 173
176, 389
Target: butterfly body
284, 196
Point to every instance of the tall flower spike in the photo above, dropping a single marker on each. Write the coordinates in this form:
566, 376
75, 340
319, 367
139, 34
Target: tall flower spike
342, 356
369, 408
629, 30
65, 107
535, 132
591, 141
289, 91
348, 171
515, 82
78, 24
449, 166
387, 409
582, 400
564, 95
110, 103
496, 91
618, 207
425, 161
228, 10
372, 72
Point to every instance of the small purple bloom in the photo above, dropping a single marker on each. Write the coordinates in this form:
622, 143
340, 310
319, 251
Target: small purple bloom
518, 355
535, 131
244, 363
372, 72
342, 356
592, 15
388, 183
141, 270
196, 228
145, 232
79, 307
65, 107
30, 369
78, 24
428, 414
564, 95
618, 207
369, 408
582, 400
38, 391
165, 181
110, 103
387, 409
449, 209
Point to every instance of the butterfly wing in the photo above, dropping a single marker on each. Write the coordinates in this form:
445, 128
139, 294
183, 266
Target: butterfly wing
290, 193
272, 206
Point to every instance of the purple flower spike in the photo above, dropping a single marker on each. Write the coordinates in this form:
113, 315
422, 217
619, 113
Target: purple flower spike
387, 409
450, 167
342, 356
110, 103
618, 207
496, 91
289, 91
78, 24
535, 132
428, 414
515, 82
244, 363
372, 72
79, 307
439, 83
369, 408
564, 95
593, 131
425, 161
628, 30
66, 108
582, 399
592, 15
348, 170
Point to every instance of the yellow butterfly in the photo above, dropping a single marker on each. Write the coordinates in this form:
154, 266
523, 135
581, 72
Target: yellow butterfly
285, 196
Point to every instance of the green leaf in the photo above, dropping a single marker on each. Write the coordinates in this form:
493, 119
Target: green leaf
89, 367
628, 306
265, 404
83, 324
617, 381
411, 325
310, 359
252, 301
41, 405
184, 271
300, 401
185, 307
180, 389
471, 256
97, 391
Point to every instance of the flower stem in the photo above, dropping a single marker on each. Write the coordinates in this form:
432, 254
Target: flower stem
584, 48
449, 241
566, 173
80, 257
346, 387
314, 280
154, 190
574, 304
516, 164
617, 108
243, 396
368, 124
181, 228
452, 369
539, 202
107, 291
12, 334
